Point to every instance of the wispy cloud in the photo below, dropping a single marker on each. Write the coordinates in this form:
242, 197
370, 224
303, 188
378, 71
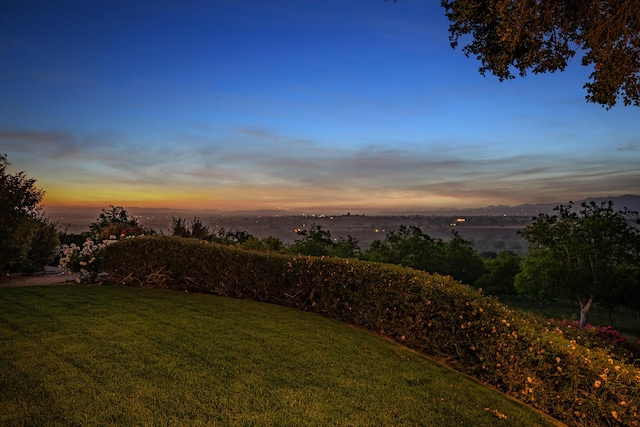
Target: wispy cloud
49, 143
270, 167
273, 137
633, 145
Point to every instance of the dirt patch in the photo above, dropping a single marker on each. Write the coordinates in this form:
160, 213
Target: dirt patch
50, 276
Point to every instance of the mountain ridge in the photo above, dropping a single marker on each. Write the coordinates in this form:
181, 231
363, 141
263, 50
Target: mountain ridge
629, 201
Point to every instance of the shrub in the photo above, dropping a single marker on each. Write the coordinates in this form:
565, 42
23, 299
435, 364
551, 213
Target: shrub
86, 260
121, 231
521, 354
605, 337
115, 215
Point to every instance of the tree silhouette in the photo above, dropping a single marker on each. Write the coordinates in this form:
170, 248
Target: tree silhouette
27, 239
541, 36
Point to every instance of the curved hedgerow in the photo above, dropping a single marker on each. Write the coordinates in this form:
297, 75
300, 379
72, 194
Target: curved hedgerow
519, 353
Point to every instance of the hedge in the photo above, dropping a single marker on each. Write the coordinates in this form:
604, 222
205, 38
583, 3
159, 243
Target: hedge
518, 353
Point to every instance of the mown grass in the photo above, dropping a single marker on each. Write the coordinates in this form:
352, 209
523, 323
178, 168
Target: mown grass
88, 355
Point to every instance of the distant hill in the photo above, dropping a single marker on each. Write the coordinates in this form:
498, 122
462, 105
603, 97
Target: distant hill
619, 202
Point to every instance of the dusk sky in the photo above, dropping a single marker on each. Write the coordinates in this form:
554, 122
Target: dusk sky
323, 105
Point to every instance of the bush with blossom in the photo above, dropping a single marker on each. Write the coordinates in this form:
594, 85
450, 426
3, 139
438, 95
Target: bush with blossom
121, 231
86, 259
604, 337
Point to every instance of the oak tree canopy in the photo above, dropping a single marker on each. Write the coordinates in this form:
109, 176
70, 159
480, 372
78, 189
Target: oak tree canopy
592, 255
517, 36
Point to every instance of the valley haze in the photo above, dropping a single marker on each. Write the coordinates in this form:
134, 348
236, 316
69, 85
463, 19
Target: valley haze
492, 228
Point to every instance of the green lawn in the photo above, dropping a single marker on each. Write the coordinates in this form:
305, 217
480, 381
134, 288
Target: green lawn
89, 355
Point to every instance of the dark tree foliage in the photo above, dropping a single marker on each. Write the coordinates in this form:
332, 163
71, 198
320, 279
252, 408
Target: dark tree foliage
541, 36
196, 229
114, 215
272, 244
622, 289
19, 194
116, 222
592, 255
316, 242
27, 239
410, 247
44, 242
541, 276
238, 237
500, 273
266, 244
462, 261
179, 227
346, 247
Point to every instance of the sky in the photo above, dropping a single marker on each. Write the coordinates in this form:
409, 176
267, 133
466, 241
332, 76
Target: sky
319, 105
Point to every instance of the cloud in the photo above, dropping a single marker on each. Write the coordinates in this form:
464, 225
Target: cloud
259, 167
633, 145
273, 137
50, 143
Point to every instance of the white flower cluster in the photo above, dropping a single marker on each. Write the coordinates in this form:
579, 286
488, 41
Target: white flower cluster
83, 259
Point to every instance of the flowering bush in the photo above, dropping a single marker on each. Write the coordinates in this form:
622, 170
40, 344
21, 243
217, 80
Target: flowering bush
86, 260
603, 337
120, 231
608, 332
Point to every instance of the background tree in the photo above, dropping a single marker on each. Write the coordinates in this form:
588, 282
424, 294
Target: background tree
115, 217
238, 237
195, 229
267, 244
199, 230
633, 300
346, 247
541, 276
410, 247
179, 227
315, 242
116, 221
43, 244
587, 254
500, 274
622, 279
462, 261
272, 244
27, 239
510, 36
